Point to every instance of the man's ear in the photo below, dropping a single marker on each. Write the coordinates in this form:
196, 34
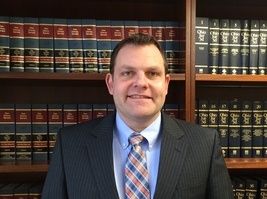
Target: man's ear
109, 83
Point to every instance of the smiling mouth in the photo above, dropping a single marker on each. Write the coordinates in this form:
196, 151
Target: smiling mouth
139, 97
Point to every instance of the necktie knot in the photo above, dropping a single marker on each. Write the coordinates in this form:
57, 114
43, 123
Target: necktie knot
135, 139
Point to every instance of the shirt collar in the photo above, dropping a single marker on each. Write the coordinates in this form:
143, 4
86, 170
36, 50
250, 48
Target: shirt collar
151, 133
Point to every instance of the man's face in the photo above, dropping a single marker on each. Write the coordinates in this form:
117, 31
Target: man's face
139, 84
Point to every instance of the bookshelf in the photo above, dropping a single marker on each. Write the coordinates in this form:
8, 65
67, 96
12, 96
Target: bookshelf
78, 87
244, 87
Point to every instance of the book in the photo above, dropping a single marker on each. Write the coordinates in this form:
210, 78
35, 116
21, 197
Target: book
130, 27
31, 44
22, 191
75, 45
84, 112
213, 111
117, 32
35, 191
224, 52
158, 32
244, 45
214, 32
99, 110
103, 37
7, 133
4, 44
172, 110
254, 47
201, 45
262, 65
145, 27
251, 188
234, 47
223, 122
257, 129
172, 47
262, 188
111, 109
46, 45
61, 47
55, 122
7, 191
89, 45
234, 128
246, 129
70, 114
16, 31
39, 133
23, 134
203, 113
239, 187
265, 128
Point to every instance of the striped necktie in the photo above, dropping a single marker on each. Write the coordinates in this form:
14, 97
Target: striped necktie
136, 174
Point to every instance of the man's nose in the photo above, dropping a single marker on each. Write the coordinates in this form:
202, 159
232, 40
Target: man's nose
140, 80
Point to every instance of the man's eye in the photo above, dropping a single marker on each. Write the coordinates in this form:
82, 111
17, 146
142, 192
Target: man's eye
126, 73
153, 74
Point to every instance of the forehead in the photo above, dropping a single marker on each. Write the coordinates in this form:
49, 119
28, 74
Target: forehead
140, 55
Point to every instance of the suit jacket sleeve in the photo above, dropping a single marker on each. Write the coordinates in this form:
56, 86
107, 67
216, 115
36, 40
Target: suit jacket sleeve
55, 183
219, 183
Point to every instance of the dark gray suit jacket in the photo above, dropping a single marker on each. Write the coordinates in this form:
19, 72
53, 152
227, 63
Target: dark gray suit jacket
191, 164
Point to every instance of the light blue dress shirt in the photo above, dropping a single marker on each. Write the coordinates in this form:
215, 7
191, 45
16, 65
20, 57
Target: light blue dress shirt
121, 148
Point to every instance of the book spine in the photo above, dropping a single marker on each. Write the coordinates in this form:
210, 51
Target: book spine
240, 187
234, 47
224, 46
201, 45
159, 33
7, 134
172, 47
172, 110
16, 44
46, 45
55, 122
111, 109
23, 133
84, 112
89, 45
234, 129
254, 47
213, 111
39, 133
257, 129
31, 44
262, 188
103, 36
251, 188
262, 65
4, 44
145, 27
130, 28
223, 122
203, 113
75, 45
61, 48
99, 110
246, 130
244, 46
214, 32
117, 32
70, 114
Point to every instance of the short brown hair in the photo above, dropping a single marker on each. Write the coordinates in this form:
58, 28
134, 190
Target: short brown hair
138, 39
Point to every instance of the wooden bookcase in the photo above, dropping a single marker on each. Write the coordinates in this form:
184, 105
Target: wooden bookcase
90, 88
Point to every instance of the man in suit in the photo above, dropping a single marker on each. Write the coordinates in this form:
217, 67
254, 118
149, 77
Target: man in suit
178, 160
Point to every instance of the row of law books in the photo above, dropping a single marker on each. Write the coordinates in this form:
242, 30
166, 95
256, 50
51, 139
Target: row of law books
231, 46
242, 125
79, 45
28, 131
245, 187
20, 190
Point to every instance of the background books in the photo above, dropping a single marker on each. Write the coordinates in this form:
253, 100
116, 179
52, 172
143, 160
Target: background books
231, 46
79, 45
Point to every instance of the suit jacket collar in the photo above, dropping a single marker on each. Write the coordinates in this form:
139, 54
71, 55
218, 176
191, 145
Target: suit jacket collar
172, 155
173, 150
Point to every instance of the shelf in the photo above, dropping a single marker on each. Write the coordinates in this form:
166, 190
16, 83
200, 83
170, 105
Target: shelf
65, 76
38, 168
246, 163
231, 78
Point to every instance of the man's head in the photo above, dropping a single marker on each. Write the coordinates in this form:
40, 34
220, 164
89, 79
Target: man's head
138, 80
138, 40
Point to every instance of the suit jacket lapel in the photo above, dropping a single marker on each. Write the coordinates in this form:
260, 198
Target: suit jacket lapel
101, 158
173, 152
